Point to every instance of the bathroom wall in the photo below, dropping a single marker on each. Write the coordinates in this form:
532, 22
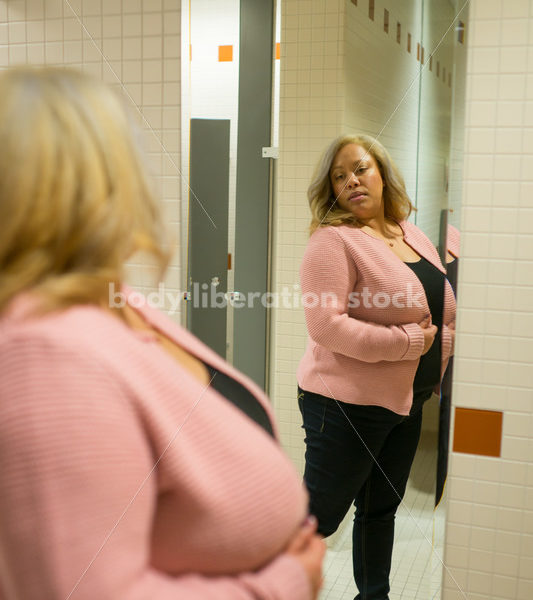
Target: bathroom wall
457, 134
438, 82
489, 536
383, 76
134, 45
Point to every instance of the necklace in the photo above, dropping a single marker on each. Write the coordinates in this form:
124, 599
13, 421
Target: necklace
388, 240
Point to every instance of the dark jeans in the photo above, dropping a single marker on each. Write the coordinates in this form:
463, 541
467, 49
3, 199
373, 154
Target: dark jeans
359, 454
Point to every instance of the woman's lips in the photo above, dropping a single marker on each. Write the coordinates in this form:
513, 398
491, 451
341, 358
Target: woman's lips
356, 197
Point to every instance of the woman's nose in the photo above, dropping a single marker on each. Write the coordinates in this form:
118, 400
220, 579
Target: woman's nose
353, 179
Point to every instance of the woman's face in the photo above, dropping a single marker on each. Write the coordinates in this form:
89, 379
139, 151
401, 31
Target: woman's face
357, 183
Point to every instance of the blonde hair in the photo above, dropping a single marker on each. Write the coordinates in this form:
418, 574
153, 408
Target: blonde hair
75, 201
324, 208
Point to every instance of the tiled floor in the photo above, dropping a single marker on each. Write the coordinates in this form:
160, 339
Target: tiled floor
416, 566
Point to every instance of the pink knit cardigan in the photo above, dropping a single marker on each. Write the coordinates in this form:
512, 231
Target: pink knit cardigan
365, 343
453, 241
125, 478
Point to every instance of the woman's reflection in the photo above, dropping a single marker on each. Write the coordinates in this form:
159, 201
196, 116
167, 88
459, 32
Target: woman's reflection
452, 256
380, 316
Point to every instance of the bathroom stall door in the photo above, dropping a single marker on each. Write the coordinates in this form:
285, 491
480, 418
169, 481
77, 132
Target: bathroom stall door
252, 197
208, 231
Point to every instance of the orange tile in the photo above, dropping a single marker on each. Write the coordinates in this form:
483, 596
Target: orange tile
278, 51
225, 53
478, 431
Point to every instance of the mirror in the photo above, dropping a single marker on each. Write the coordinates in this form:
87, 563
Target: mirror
393, 71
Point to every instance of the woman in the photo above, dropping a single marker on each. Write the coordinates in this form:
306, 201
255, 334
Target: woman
453, 238
380, 337
135, 462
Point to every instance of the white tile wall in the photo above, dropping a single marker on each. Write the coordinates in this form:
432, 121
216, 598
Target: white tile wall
383, 80
490, 516
134, 45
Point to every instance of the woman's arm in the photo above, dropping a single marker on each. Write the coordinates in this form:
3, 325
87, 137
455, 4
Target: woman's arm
79, 491
328, 275
448, 326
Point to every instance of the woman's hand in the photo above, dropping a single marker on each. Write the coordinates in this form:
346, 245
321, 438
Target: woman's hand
309, 548
429, 331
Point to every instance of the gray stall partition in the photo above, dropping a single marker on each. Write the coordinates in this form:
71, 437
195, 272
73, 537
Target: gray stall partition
252, 200
208, 231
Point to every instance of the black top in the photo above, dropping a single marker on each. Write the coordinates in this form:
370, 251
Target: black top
238, 395
451, 274
428, 373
